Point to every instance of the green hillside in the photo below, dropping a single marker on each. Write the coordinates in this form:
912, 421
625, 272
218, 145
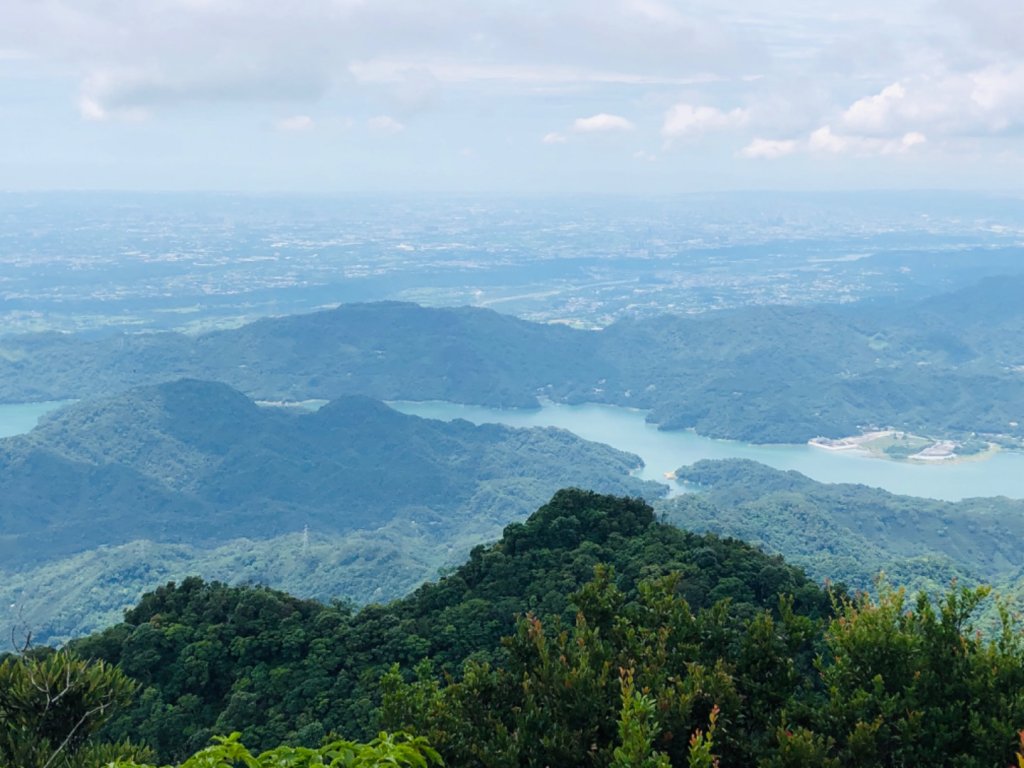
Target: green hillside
213, 659
851, 533
627, 642
355, 500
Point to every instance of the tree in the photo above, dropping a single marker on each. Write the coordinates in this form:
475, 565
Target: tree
52, 704
917, 686
396, 750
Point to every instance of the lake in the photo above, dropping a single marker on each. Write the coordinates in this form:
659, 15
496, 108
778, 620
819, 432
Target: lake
18, 418
999, 475
625, 428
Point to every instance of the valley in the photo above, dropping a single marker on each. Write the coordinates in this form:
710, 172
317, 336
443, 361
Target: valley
757, 374
151, 476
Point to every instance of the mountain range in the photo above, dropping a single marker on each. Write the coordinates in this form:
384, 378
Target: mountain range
759, 373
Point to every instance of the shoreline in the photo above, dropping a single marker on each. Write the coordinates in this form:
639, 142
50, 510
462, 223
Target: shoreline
932, 452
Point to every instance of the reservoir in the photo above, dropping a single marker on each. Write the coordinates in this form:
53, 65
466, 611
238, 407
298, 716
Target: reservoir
1001, 474
624, 428
18, 418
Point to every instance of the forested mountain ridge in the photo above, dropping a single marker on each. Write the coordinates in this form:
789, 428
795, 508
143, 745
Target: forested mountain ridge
196, 470
627, 642
213, 659
760, 373
385, 350
851, 533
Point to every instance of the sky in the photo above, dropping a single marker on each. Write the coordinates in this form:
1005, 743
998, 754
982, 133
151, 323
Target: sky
527, 97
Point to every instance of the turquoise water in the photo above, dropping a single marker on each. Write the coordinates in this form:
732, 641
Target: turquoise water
22, 417
625, 428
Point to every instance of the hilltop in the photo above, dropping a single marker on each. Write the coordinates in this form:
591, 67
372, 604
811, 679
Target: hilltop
213, 658
590, 634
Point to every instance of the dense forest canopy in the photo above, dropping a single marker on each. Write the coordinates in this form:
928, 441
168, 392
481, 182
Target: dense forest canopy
590, 634
215, 659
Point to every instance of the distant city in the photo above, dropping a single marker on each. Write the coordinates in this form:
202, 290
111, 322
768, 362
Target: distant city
88, 262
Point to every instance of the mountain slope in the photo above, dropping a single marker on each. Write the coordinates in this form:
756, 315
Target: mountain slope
853, 532
197, 465
216, 659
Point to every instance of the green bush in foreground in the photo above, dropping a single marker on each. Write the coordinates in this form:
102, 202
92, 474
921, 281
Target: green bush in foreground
884, 683
388, 749
52, 704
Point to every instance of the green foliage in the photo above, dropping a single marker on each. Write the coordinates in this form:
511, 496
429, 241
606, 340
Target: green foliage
627, 684
800, 747
701, 744
851, 533
216, 659
388, 749
677, 649
916, 686
638, 728
51, 706
891, 685
759, 373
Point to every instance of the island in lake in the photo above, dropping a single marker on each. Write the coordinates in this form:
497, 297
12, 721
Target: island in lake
904, 446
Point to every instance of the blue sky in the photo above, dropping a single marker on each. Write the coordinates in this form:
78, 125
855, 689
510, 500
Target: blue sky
562, 96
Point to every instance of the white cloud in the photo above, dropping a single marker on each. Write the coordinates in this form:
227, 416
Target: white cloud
447, 70
385, 124
684, 120
90, 109
873, 114
912, 139
295, 124
850, 80
180, 51
977, 102
600, 123
825, 140
769, 149
997, 93
647, 157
